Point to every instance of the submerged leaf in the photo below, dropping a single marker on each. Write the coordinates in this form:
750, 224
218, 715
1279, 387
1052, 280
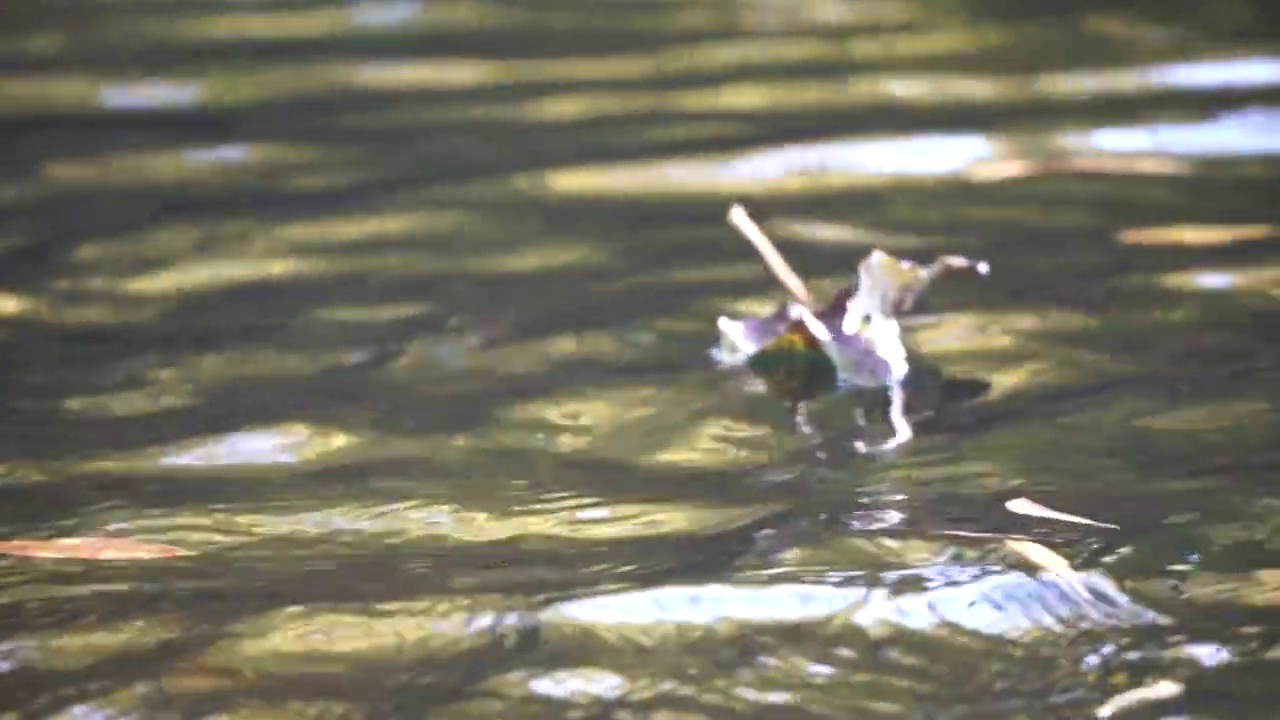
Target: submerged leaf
1042, 557
90, 548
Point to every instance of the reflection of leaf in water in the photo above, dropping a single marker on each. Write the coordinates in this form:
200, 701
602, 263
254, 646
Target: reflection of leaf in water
91, 548
1043, 557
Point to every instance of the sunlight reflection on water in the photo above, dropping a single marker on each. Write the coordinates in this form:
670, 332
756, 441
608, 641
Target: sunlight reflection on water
371, 13
579, 683
1214, 280
1000, 603
938, 154
1218, 74
1248, 131
265, 446
151, 94
1252, 130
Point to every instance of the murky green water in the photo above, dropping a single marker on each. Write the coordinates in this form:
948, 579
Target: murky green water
395, 318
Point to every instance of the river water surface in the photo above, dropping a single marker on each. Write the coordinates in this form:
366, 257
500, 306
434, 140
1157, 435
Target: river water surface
394, 318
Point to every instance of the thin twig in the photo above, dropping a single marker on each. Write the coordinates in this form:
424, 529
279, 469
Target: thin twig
773, 259
958, 536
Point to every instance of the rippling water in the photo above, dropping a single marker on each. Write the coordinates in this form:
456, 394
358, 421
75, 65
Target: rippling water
354, 354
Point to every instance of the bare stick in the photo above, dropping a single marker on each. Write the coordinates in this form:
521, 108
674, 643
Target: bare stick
971, 536
773, 259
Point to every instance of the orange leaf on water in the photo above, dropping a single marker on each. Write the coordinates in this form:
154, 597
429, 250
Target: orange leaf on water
90, 548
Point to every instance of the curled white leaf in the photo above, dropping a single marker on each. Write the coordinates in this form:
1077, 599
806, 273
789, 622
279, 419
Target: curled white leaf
1024, 506
889, 286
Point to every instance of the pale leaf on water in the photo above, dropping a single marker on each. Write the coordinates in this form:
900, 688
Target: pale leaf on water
1159, 691
90, 548
1042, 557
889, 286
1024, 506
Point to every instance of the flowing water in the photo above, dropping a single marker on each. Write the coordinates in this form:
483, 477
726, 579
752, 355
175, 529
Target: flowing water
389, 320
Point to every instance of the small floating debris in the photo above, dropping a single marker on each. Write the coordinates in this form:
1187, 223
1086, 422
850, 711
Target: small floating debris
803, 350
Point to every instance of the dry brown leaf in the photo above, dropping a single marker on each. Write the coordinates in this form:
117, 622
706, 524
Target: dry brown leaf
90, 548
